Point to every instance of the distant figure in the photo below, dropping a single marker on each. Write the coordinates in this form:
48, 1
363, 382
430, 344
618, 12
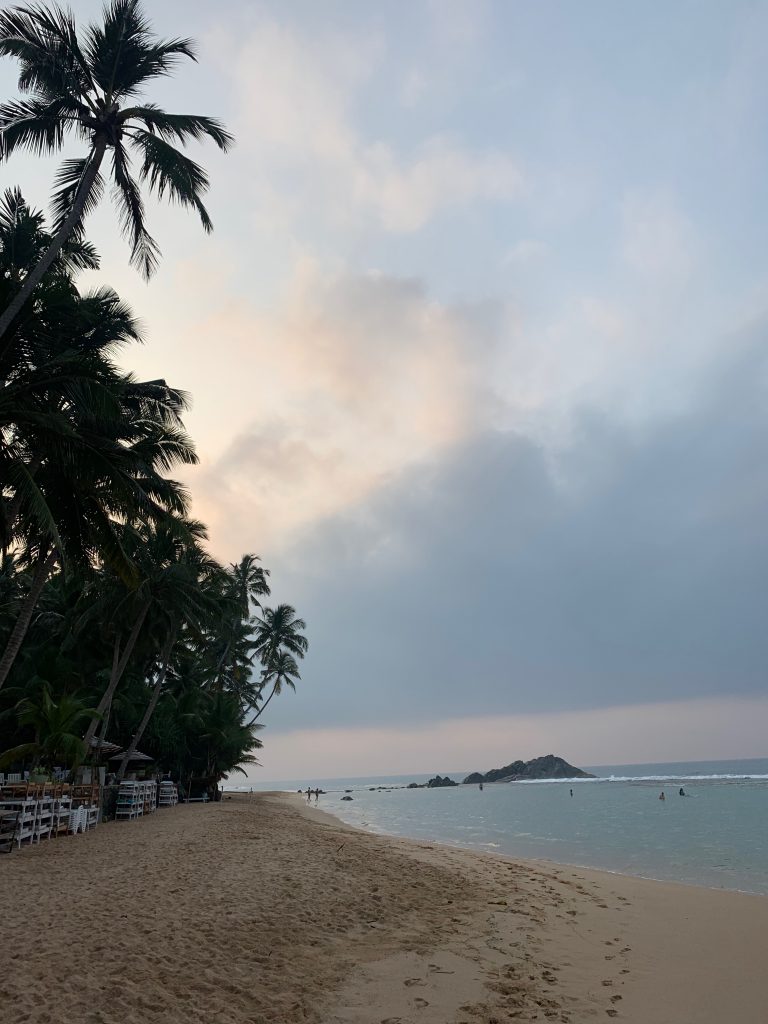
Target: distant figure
480, 787
317, 795
661, 795
571, 792
309, 794
682, 791
250, 793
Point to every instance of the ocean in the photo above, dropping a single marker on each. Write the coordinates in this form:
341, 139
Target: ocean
717, 835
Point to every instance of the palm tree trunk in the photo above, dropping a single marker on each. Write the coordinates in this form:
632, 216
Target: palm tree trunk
108, 711
45, 562
118, 667
73, 218
165, 660
14, 505
258, 713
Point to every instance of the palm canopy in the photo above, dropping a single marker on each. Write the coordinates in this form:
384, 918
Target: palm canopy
279, 629
91, 85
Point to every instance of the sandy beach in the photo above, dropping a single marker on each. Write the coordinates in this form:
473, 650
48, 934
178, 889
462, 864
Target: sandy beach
259, 909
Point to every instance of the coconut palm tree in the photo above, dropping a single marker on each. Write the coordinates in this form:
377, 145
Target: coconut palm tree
91, 85
182, 597
56, 725
84, 447
243, 583
279, 629
281, 671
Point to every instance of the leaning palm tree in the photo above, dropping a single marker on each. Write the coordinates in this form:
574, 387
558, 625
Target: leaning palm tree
279, 629
91, 85
281, 671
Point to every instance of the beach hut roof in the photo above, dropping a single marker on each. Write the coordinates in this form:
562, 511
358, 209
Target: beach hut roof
135, 756
106, 748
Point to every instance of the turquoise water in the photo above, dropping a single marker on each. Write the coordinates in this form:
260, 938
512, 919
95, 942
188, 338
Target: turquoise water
716, 836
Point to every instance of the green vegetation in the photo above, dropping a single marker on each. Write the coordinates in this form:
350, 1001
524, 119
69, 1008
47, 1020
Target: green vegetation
116, 624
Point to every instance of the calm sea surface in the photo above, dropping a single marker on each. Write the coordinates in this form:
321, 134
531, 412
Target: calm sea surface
715, 836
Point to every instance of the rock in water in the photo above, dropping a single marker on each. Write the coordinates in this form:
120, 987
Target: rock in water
548, 767
440, 781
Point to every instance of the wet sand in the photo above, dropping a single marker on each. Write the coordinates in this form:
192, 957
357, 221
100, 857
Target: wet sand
261, 910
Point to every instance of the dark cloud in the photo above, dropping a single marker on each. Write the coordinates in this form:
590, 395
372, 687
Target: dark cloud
631, 568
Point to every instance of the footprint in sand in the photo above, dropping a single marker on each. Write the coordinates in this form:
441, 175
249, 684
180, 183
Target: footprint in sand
615, 999
421, 1003
414, 981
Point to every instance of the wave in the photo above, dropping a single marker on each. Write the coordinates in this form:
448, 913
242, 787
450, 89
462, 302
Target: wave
649, 778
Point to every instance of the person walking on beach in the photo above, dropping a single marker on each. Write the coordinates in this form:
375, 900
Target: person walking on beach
309, 794
317, 795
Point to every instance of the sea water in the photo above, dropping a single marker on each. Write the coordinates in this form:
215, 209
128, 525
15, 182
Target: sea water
716, 835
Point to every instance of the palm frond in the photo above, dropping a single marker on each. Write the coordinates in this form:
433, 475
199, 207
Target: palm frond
144, 250
79, 254
123, 53
67, 182
169, 171
38, 37
33, 125
181, 127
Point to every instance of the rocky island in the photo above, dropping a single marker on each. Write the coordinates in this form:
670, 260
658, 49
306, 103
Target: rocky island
548, 767
438, 782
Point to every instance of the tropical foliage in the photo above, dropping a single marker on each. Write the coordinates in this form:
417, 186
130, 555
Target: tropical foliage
116, 624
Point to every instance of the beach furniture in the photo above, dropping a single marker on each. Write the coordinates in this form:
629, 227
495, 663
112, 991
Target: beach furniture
62, 809
168, 795
77, 820
8, 824
43, 818
24, 808
136, 798
129, 805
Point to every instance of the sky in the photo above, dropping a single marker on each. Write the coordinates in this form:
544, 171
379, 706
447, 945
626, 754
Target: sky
478, 357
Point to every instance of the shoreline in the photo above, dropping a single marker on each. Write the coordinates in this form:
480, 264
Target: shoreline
259, 910
541, 862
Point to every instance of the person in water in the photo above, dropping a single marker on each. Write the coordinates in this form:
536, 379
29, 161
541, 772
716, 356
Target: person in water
571, 792
682, 791
481, 787
661, 795
309, 794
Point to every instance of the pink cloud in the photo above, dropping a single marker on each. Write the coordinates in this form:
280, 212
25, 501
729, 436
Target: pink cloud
688, 730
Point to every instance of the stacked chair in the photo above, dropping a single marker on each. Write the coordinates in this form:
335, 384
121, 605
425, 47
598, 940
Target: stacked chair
135, 799
169, 794
30, 812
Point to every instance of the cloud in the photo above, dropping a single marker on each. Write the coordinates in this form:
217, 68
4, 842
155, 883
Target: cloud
526, 251
658, 239
346, 382
639, 733
498, 577
300, 100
